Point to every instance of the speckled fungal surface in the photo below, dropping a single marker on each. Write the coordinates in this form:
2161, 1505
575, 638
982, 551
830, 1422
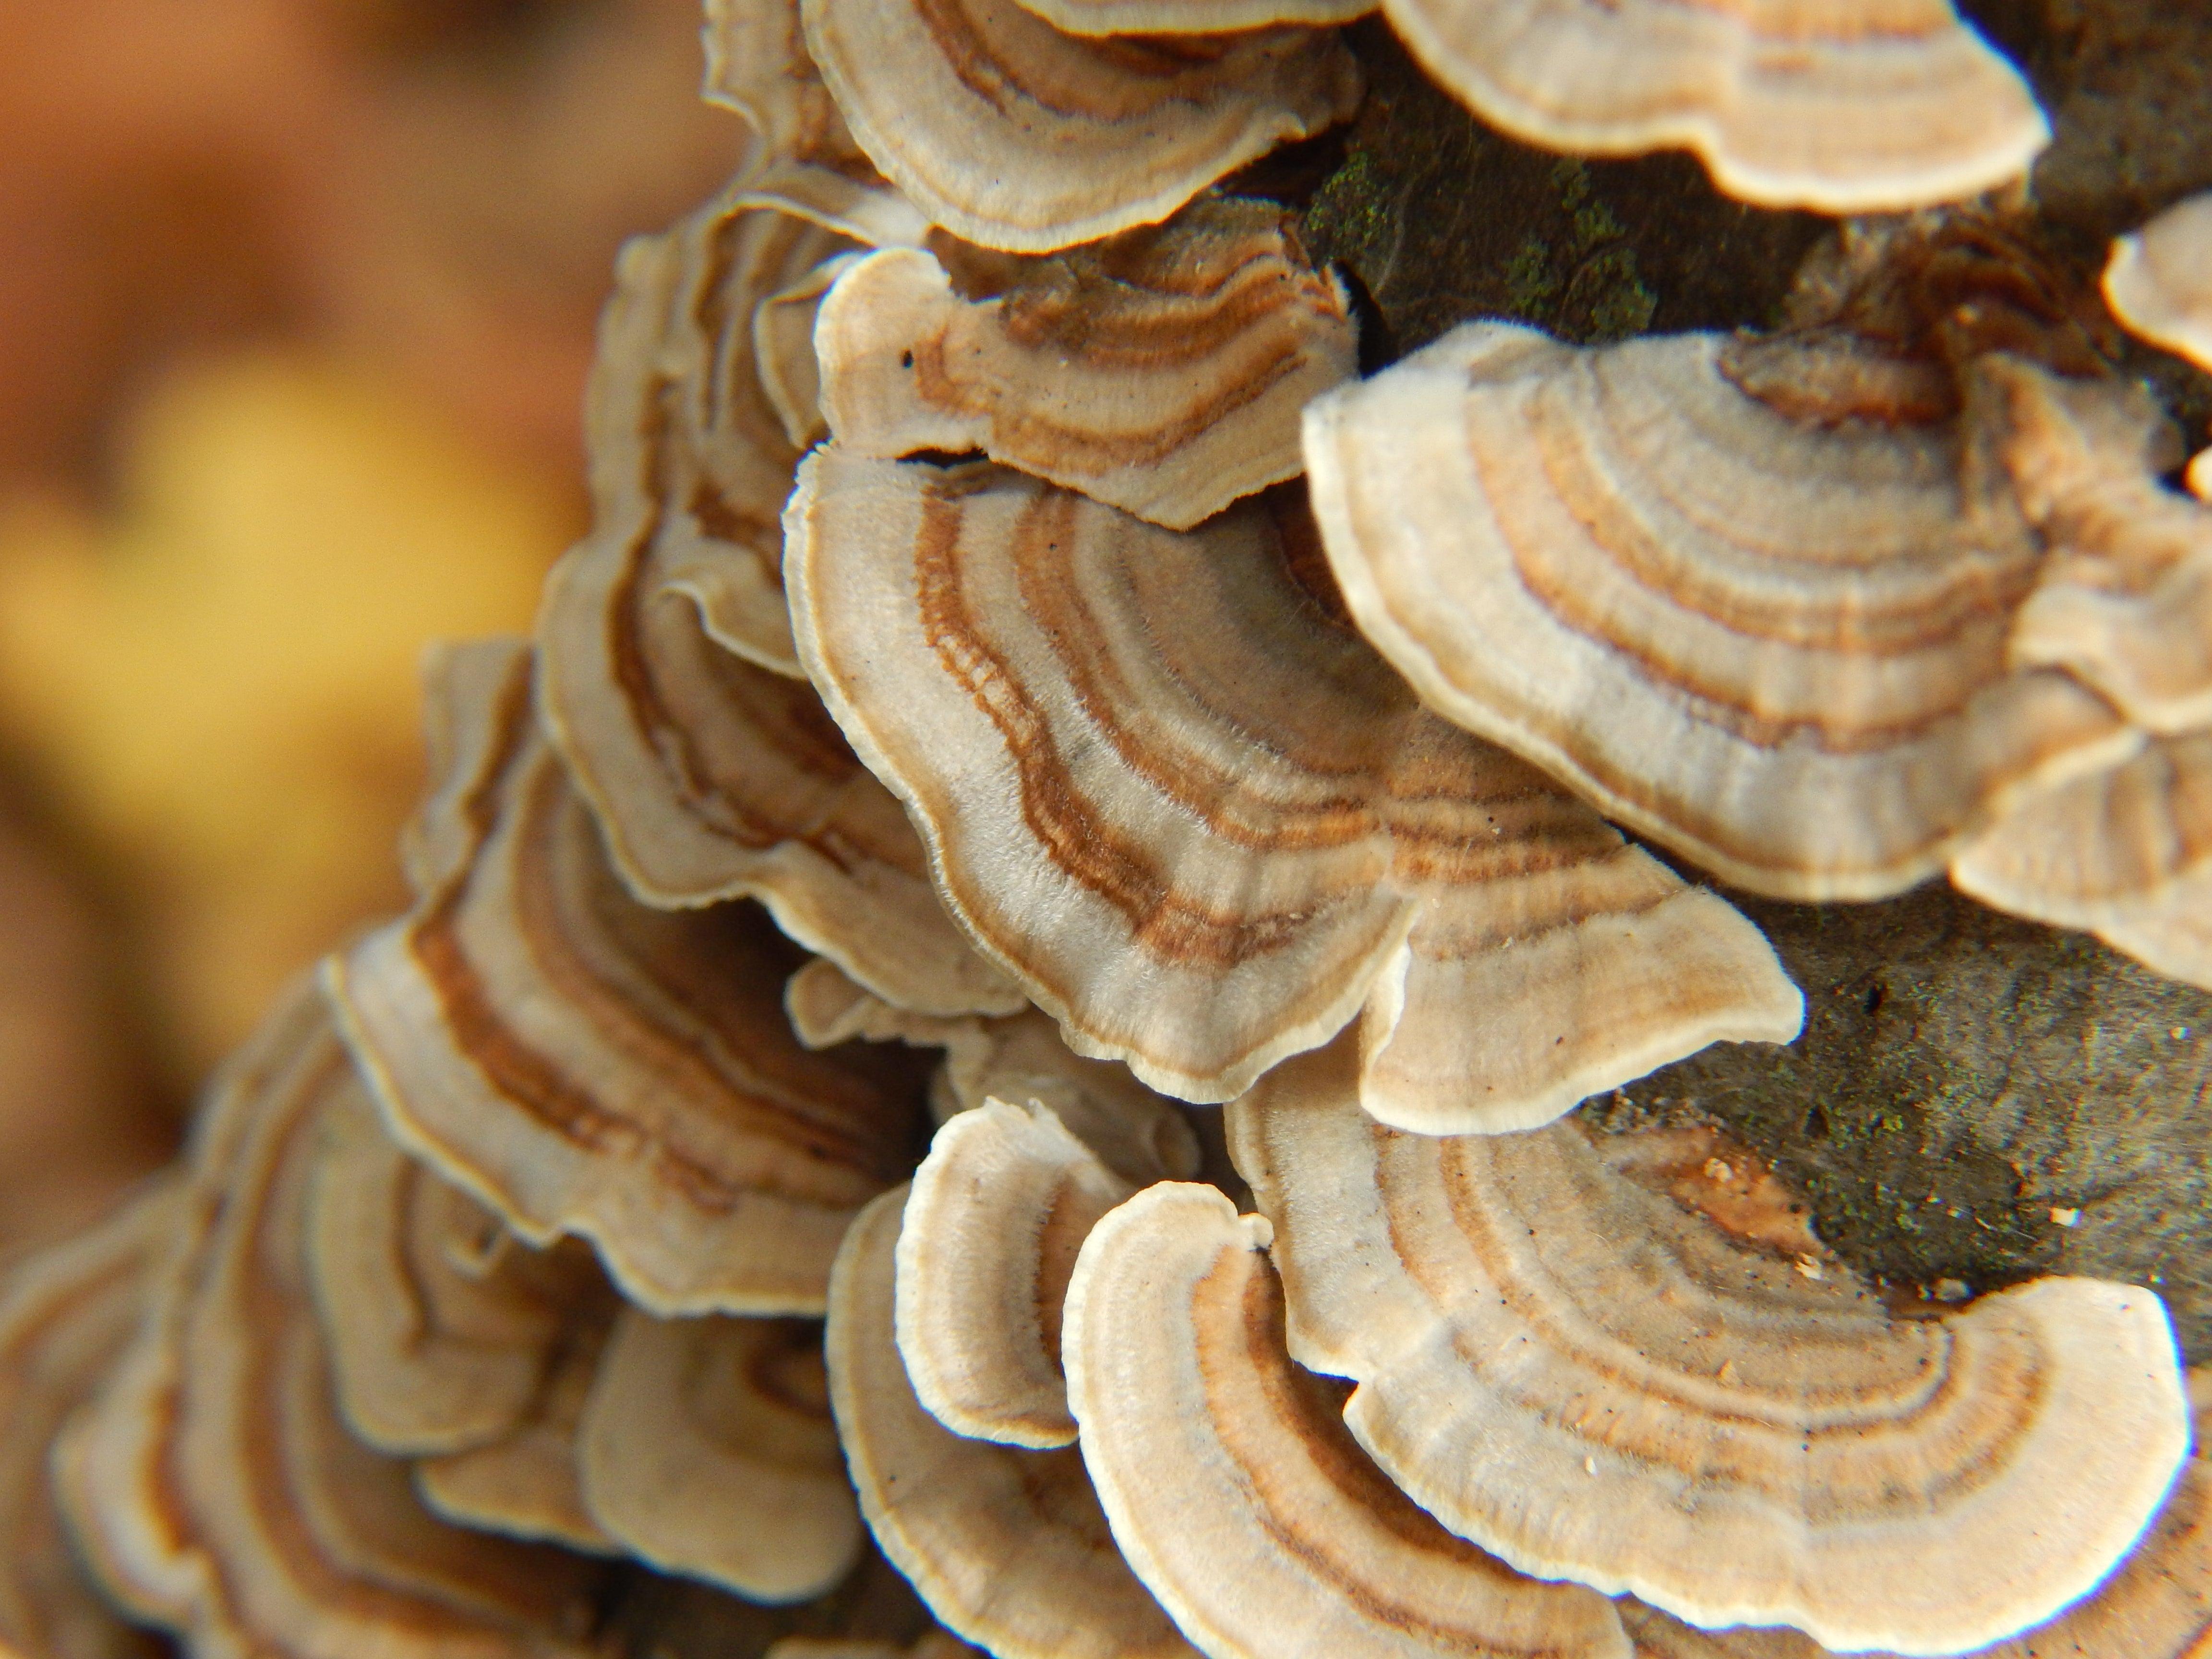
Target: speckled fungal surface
1310, 862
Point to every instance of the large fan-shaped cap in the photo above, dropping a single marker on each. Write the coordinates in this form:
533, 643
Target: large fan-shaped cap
707, 1449
1013, 135
1232, 1485
1597, 1384
997, 1212
65, 1314
1740, 596
1160, 372
1008, 1547
587, 1066
213, 1483
441, 1325
2159, 281
1206, 825
1846, 106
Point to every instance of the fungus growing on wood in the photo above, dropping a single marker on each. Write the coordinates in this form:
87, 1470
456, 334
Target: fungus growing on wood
1007, 1547
1752, 598
1012, 135
1235, 1490
213, 1484
1160, 372
707, 1449
1845, 105
995, 1217
544, 1040
1205, 826
1593, 1383
2159, 280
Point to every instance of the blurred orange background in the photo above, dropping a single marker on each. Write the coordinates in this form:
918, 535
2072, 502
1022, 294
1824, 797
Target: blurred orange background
296, 302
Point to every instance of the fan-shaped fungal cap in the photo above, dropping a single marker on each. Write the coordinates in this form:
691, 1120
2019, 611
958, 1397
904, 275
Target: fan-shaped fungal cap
1233, 1487
1141, 1135
997, 1212
1008, 1547
1846, 106
1190, 16
1579, 1375
65, 1314
756, 64
213, 1484
441, 1326
1760, 617
707, 1449
587, 1066
1205, 824
2125, 854
1160, 372
2123, 602
2159, 281
1012, 135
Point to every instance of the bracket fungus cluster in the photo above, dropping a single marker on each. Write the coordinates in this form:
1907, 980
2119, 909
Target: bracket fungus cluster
1021, 690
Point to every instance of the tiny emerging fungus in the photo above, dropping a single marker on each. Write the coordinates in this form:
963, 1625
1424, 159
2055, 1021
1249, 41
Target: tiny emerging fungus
2159, 281
1235, 1490
1757, 611
213, 1484
1012, 135
707, 1449
1205, 826
1845, 105
1596, 1384
539, 1037
1007, 1547
995, 1216
1160, 372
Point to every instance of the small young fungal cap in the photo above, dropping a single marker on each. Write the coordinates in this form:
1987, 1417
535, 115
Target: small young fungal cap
1842, 106
1007, 1547
1160, 372
1012, 135
1762, 620
1232, 1485
2159, 280
706, 1448
1205, 826
1510, 1308
996, 1215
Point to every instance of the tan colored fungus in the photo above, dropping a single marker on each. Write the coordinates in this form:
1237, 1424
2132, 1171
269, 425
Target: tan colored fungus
1190, 16
214, 1486
1596, 1383
1845, 105
65, 1312
996, 1215
756, 65
1008, 1547
2159, 281
1235, 1490
931, 1644
707, 1449
587, 1066
1205, 826
1139, 1135
1160, 372
1753, 599
1012, 135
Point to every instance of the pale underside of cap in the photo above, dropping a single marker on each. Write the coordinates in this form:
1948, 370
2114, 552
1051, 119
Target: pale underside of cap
1593, 1382
1205, 826
65, 1313
707, 1449
1773, 639
996, 1215
544, 1042
1008, 1547
1160, 372
215, 1485
2159, 281
1234, 1488
1013, 135
1842, 106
